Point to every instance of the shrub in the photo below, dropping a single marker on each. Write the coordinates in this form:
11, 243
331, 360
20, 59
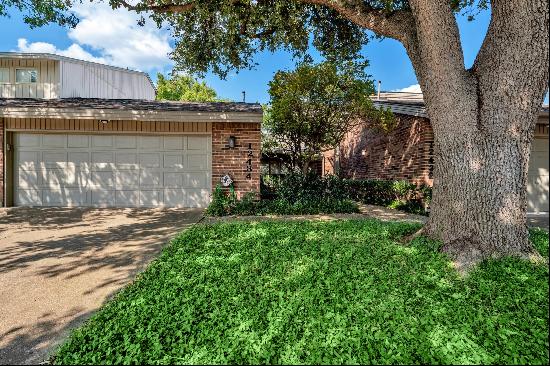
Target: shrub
299, 194
401, 195
305, 201
221, 204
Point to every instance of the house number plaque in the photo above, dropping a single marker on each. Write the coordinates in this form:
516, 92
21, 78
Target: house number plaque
249, 156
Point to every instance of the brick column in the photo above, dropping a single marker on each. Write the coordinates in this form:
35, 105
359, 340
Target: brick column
242, 163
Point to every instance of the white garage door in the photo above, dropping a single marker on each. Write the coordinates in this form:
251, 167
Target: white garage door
112, 170
537, 181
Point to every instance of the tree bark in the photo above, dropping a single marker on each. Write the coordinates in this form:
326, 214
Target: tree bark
483, 121
479, 194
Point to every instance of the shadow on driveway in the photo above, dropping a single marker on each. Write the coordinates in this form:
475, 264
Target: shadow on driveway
58, 265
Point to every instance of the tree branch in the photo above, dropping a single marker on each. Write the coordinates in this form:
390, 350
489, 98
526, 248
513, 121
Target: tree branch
396, 25
438, 60
164, 8
512, 64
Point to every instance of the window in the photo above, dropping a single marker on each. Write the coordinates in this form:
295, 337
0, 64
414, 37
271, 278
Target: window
26, 76
4, 75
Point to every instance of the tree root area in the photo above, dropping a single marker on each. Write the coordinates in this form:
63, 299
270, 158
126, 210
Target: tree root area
466, 253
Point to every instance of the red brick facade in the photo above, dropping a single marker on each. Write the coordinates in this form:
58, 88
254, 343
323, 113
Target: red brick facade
242, 163
405, 153
243, 169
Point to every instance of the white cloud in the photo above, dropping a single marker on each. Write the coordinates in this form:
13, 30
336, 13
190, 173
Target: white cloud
415, 88
74, 50
114, 37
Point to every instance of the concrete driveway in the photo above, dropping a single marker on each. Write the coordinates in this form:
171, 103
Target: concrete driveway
58, 265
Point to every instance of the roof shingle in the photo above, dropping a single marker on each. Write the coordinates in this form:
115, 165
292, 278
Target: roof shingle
131, 104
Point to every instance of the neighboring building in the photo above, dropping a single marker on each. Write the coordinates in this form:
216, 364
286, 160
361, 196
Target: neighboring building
406, 153
121, 149
47, 76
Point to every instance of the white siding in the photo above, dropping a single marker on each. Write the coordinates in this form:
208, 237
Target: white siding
89, 80
47, 86
68, 78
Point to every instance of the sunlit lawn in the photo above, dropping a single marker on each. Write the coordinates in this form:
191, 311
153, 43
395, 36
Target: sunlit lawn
319, 292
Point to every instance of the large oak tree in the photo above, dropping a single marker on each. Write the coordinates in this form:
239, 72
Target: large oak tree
483, 117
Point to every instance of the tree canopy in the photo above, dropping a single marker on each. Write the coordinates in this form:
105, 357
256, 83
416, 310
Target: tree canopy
224, 35
314, 106
184, 88
40, 12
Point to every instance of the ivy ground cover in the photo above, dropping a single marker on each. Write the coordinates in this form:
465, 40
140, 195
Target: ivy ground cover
318, 292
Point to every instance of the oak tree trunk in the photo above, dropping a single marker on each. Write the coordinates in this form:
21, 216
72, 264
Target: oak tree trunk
479, 195
483, 120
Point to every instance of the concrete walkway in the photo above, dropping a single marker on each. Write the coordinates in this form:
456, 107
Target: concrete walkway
58, 265
366, 211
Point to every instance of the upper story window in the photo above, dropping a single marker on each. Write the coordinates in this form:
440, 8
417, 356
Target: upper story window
4, 75
26, 75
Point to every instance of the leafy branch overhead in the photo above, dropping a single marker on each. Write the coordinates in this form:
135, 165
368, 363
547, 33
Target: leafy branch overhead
224, 35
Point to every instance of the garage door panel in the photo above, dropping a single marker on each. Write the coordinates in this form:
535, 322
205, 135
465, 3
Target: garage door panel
125, 142
103, 141
78, 141
150, 142
79, 159
54, 141
27, 140
537, 179
127, 198
197, 143
175, 196
173, 142
28, 197
174, 161
196, 180
63, 197
196, 197
54, 159
196, 162
29, 178
149, 160
150, 198
126, 160
126, 179
102, 198
103, 179
68, 177
174, 179
102, 161
149, 178
112, 170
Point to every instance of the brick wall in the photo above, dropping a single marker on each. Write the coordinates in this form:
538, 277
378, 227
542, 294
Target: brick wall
404, 153
235, 161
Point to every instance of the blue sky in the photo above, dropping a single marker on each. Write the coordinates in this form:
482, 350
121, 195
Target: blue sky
115, 38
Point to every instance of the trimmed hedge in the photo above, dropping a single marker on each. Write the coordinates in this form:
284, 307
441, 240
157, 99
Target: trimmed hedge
298, 194
224, 204
400, 195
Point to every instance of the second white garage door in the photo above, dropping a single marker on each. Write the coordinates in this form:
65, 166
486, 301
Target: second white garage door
112, 170
537, 179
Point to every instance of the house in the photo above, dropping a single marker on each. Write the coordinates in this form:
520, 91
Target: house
77, 133
406, 153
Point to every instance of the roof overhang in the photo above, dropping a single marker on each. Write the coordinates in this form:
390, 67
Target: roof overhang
418, 109
129, 115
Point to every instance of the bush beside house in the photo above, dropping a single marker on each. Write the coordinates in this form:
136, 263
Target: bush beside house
298, 194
